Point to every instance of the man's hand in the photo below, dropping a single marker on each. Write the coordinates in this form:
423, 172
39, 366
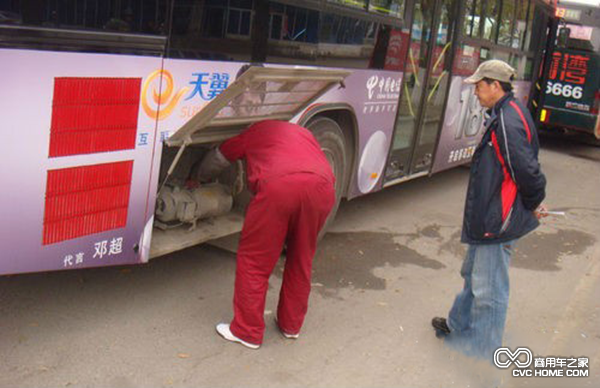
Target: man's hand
541, 212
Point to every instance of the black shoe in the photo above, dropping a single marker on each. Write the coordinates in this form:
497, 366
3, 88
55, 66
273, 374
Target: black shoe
440, 326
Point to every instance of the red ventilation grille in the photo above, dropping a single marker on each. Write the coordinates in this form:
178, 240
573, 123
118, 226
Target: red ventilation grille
85, 200
92, 115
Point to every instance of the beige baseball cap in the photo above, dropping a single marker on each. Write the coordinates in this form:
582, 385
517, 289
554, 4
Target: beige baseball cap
493, 69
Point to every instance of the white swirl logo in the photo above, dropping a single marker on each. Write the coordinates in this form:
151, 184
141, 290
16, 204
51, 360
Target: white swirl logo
512, 357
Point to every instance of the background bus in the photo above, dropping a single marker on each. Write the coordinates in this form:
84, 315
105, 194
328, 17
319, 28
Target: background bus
573, 81
99, 102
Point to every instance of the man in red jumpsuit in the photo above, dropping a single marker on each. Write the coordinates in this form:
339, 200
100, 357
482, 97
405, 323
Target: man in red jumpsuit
293, 187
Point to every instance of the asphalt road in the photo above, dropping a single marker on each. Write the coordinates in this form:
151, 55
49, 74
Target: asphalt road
390, 263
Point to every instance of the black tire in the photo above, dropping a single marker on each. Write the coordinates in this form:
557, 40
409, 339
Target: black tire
331, 138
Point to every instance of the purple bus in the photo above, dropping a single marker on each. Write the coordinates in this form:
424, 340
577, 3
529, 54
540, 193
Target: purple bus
107, 107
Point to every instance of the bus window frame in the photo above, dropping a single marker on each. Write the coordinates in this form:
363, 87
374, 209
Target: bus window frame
348, 11
527, 24
513, 19
77, 38
265, 51
43, 38
481, 42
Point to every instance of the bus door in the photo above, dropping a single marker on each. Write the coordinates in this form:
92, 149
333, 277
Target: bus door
425, 82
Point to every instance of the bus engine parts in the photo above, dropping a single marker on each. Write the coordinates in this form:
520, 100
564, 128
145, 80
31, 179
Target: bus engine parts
178, 205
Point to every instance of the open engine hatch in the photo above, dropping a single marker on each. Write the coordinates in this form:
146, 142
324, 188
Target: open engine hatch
261, 93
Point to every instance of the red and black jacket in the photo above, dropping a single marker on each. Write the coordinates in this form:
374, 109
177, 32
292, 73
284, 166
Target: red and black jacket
506, 183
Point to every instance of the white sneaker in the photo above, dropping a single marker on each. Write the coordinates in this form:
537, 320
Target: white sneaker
225, 332
286, 335
289, 336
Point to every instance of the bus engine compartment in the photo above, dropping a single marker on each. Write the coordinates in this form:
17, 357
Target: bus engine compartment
188, 211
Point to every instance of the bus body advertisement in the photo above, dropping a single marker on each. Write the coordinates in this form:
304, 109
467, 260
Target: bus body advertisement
42, 228
372, 95
91, 167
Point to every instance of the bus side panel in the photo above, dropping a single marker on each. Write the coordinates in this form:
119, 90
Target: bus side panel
462, 127
521, 90
372, 94
187, 87
77, 151
464, 122
195, 84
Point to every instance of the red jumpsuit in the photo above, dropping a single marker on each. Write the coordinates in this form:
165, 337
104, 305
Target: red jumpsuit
294, 192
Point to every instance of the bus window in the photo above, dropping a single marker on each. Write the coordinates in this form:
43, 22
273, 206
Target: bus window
353, 3
112, 26
213, 22
388, 7
390, 49
520, 24
515, 61
539, 22
505, 31
536, 22
501, 55
466, 60
211, 29
294, 24
485, 54
342, 30
522, 64
268, 31
238, 20
490, 26
112, 15
351, 35
528, 72
472, 18
585, 38
276, 22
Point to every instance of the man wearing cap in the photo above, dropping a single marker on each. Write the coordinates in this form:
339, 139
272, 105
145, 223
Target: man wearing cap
503, 203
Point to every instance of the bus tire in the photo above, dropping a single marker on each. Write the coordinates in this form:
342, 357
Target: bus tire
331, 139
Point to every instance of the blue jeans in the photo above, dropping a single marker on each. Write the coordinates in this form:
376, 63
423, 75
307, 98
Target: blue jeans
478, 315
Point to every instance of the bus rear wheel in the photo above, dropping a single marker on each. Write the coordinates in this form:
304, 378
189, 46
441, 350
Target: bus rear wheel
331, 139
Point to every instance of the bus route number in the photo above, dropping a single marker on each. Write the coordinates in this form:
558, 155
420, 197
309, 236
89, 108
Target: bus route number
567, 91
